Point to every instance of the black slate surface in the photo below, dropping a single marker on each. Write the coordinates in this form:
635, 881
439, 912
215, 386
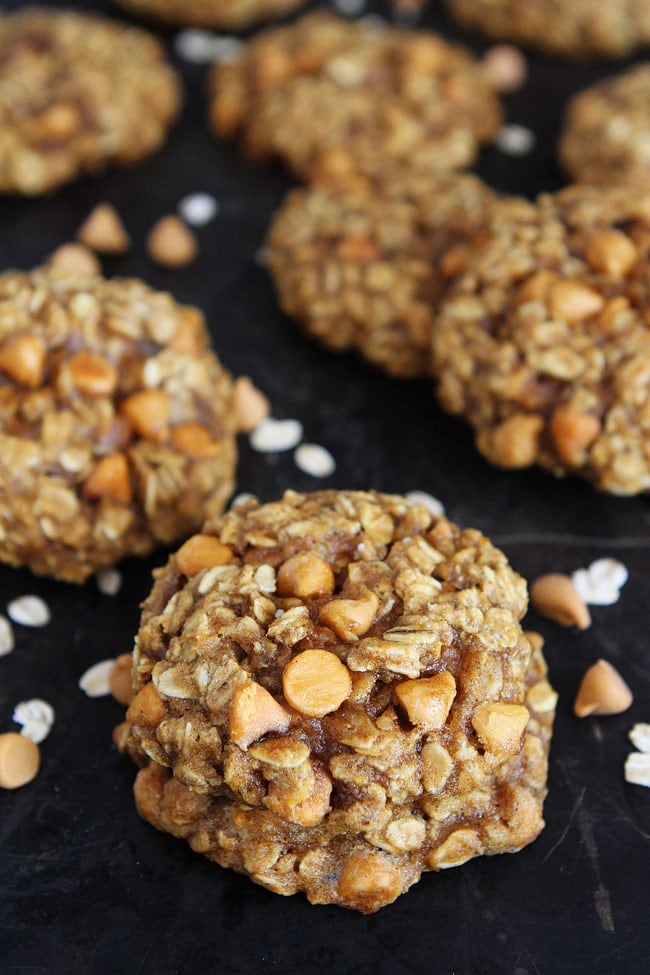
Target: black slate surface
85, 886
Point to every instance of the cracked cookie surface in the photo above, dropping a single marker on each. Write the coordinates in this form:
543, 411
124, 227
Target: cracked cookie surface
333, 693
78, 92
116, 422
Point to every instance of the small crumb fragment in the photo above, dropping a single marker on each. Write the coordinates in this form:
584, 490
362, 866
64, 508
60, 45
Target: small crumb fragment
600, 583
20, 759
29, 611
198, 209
314, 460
640, 737
6, 636
433, 505
109, 581
171, 243
120, 678
505, 68
96, 681
250, 404
637, 769
103, 231
602, 691
74, 259
515, 140
36, 717
274, 436
555, 597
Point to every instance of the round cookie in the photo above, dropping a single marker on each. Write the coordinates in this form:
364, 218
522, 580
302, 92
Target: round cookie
324, 84
581, 28
231, 14
78, 92
363, 263
543, 344
116, 422
333, 693
606, 135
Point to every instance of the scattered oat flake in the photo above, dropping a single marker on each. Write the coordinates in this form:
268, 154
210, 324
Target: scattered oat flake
109, 581
350, 8
274, 436
36, 717
314, 460
242, 498
197, 209
640, 737
433, 506
204, 47
637, 769
600, 583
29, 611
6, 636
515, 140
95, 682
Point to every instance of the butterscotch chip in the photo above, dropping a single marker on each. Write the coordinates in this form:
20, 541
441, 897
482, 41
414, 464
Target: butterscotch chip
324, 85
20, 759
602, 691
74, 259
554, 595
95, 400
78, 92
341, 762
251, 405
103, 231
231, 14
542, 342
170, 242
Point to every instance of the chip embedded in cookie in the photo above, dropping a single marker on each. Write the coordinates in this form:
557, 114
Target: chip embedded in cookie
543, 344
606, 134
116, 422
324, 84
348, 699
78, 92
580, 29
230, 14
362, 263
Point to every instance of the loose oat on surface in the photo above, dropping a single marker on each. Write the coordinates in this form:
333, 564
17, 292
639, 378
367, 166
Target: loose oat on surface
543, 343
324, 86
78, 92
427, 743
231, 14
116, 422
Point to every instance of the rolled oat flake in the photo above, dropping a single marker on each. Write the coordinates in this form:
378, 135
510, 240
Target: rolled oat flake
29, 611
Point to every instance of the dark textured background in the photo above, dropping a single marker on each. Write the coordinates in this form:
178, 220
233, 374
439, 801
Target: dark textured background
85, 886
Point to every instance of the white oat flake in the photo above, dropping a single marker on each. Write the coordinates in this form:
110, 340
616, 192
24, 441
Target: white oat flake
637, 769
350, 8
36, 717
109, 581
600, 583
29, 611
640, 737
198, 46
515, 140
6, 636
274, 436
314, 460
95, 682
197, 209
433, 505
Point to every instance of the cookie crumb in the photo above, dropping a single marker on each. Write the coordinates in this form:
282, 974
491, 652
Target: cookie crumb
515, 140
103, 231
36, 717
433, 505
314, 460
198, 209
29, 611
74, 259
275, 436
171, 243
95, 682
109, 581
601, 582
6, 636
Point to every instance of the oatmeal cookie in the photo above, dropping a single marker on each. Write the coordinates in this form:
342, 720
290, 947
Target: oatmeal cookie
229, 14
77, 92
606, 135
581, 28
543, 344
333, 693
324, 84
116, 422
363, 263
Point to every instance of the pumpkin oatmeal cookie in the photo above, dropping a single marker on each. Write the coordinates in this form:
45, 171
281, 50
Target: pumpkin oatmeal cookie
78, 92
116, 422
362, 263
324, 84
229, 14
332, 693
543, 343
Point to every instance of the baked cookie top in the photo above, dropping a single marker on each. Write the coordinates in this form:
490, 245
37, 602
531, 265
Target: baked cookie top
332, 693
606, 134
580, 28
362, 263
324, 84
544, 345
77, 92
211, 13
116, 422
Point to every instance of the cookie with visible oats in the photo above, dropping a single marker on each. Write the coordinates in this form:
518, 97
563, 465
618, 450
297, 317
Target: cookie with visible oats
230, 14
350, 699
543, 343
362, 263
581, 28
116, 422
78, 92
606, 135
326, 85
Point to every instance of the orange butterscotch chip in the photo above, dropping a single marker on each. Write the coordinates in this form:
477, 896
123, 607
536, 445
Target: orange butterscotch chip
148, 412
111, 479
146, 708
367, 878
22, 358
103, 231
93, 375
195, 440
305, 575
602, 691
316, 682
202, 552
350, 618
253, 713
190, 334
500, 726
428, 700
19, 760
